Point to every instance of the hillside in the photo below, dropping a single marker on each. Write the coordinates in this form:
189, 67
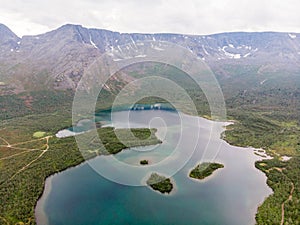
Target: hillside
259, 74
58, 59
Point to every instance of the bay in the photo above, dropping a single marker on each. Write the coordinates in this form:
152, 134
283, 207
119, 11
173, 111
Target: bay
230, 196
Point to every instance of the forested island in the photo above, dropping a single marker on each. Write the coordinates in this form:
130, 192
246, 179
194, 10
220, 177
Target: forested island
204, 170
160, 183
144, 162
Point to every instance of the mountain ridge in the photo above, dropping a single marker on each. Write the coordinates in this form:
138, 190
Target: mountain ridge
57, 59
156, 33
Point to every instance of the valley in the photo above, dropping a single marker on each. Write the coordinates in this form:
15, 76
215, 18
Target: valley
259, 75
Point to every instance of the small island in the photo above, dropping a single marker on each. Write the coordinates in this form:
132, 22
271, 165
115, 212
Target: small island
144, 162
160, 183
204, 170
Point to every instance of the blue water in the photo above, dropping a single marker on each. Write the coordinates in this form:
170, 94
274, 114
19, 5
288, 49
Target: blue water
80, 196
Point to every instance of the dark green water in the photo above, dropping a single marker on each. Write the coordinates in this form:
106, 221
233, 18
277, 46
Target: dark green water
80, 196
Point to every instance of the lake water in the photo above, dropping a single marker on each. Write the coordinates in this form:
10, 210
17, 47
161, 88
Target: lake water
80, 196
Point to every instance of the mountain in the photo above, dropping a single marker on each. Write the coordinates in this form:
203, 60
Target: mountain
57, 59
8, 40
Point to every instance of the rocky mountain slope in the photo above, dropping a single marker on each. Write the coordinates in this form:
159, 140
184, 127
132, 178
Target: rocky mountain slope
8, 40
57, 59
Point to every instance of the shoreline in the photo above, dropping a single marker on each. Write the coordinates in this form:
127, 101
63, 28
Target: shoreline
47, 187
42, 218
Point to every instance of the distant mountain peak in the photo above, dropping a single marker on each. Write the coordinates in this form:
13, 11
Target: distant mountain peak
69, 26
6, 34
8, 40
59, 58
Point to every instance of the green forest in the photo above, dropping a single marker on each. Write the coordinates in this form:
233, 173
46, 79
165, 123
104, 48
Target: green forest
204, 170
160, 183
26, 161
265, 117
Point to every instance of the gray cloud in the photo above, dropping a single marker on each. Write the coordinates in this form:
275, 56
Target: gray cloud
174, 16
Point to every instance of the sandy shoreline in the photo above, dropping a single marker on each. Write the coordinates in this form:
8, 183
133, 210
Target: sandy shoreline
40, 214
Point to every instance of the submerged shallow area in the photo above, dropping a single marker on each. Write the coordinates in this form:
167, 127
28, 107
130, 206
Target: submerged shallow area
230, 196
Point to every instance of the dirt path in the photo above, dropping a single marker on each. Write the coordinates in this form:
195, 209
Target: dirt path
20, 153
283, 204
5, 141
282, 214
26, 150
26, 166
25, 142
291, 193
3, 219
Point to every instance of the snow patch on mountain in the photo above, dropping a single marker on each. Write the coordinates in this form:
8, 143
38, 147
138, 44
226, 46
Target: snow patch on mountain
261, 83
92, 43
140, 56
293, 36
156, 47
205, 51
133, 42
230, 55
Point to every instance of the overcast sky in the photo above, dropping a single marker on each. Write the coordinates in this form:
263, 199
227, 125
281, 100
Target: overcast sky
26, 17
